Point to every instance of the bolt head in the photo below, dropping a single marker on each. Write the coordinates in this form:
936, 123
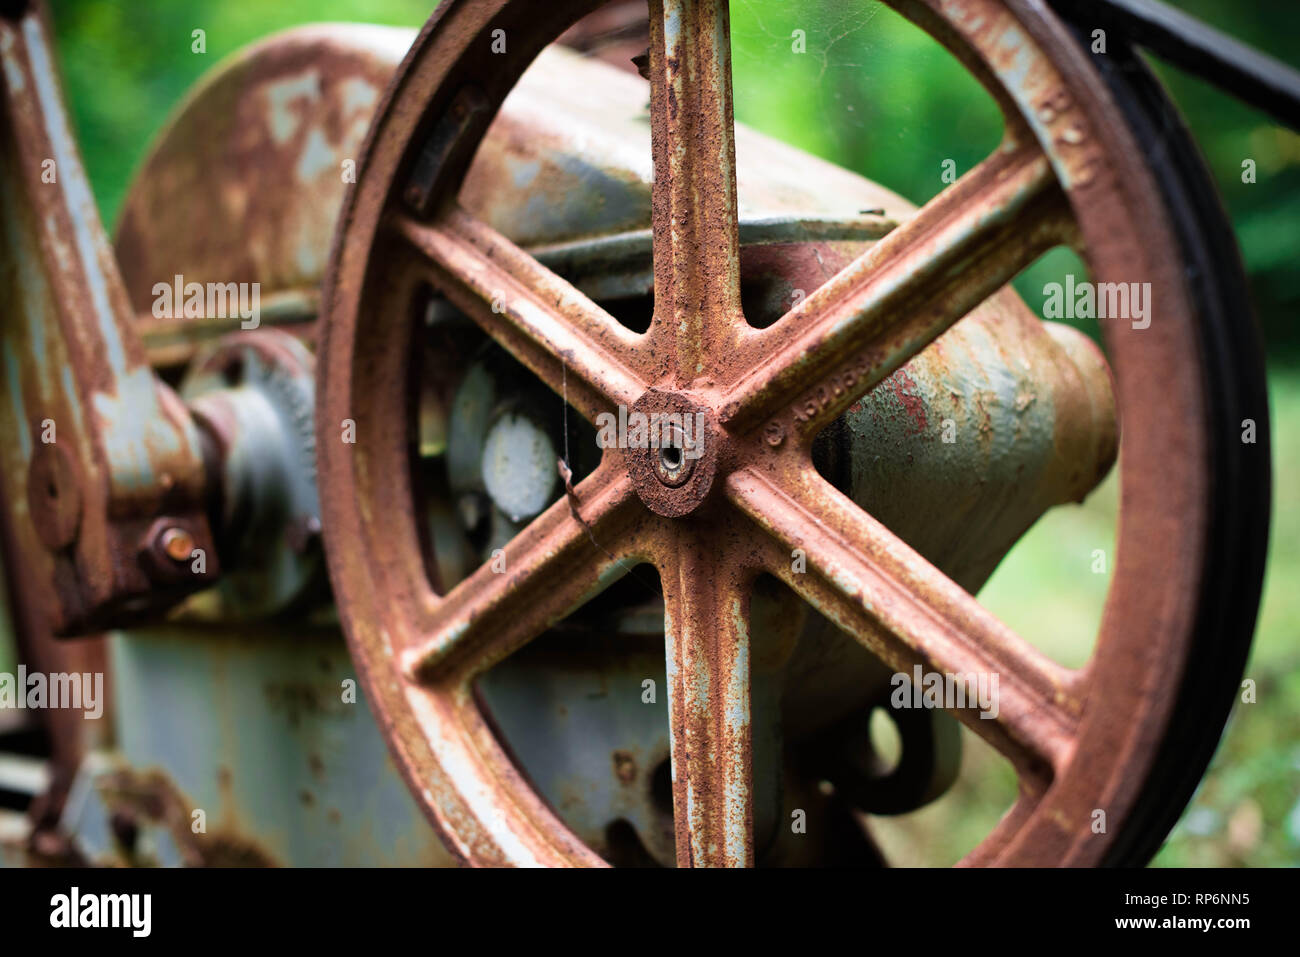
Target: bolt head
675, 478
177, 543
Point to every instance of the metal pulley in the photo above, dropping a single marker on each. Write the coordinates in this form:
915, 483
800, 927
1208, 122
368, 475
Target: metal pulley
585, 649
670, 286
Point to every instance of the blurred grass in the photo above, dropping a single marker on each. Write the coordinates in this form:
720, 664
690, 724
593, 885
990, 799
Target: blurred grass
873, 94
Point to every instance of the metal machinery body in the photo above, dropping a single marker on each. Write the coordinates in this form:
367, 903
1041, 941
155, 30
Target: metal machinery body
238, 704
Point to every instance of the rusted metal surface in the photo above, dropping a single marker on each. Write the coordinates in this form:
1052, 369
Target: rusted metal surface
100, 448
270, 140
119, 817
1067, 172
286, 253
1033, 415
69, 734
263, 737
1029, 419
775, 239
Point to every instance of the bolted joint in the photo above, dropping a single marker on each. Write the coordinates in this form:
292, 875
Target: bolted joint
673, 465
168, 552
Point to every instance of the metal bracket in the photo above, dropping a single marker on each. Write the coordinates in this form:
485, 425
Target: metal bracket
103, 477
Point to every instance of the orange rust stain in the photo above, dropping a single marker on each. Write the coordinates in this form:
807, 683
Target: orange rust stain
904, 386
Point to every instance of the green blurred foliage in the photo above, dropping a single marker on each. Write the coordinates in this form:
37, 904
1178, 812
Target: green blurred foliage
867, 91
876, 95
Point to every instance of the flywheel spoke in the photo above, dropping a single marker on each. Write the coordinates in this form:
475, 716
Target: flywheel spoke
706, 625
908, 613
554, 565
696, 250
901, 294
569, 342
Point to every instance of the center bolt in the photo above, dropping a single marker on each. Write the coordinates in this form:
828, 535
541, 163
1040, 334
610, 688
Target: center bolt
673, 460
673, 442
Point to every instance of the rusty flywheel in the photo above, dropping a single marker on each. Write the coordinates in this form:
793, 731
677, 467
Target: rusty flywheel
1071, 169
